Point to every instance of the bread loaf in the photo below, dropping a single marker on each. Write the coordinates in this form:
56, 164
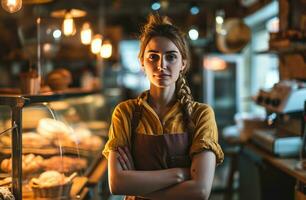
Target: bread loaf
59, 79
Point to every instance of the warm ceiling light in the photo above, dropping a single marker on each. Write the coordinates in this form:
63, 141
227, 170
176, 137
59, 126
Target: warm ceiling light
86, 34
106, 50
36, 1
68, 25
75, 13
68, 10
11, 6
96, 44
214, 64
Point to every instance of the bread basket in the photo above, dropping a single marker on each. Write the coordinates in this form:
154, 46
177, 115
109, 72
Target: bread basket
54, 192
57, 192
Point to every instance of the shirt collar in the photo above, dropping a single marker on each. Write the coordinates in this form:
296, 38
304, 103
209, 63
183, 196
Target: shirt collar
142, 100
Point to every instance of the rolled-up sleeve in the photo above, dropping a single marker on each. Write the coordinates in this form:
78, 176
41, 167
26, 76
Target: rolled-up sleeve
119, 132
206, 133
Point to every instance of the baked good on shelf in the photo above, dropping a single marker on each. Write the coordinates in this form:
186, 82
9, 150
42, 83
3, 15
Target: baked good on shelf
53, 129
98, 127
30, 164
34, 140
5, 194
59, 105
31, 116
52, 185
6, 140
80, 138
64, 164
6, 181
29, 140
91, 143
50, 178
59, 79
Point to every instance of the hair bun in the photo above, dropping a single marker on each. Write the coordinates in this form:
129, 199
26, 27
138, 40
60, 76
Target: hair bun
156, 19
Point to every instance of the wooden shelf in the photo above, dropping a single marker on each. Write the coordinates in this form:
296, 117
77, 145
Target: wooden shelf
283, 51
285, 46
287, 165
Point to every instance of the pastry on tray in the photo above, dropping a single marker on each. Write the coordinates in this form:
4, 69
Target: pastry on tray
82, 138
92, 143
6, 182
30, 164
5, 194
29, 140
52, 185
64, 164
53, 129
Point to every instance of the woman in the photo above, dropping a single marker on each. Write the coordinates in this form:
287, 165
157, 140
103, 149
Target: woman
163, 145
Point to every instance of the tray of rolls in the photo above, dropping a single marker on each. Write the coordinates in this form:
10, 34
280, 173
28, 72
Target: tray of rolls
47, 177
52, 137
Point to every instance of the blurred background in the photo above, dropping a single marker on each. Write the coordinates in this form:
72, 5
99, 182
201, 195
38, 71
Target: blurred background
248, 63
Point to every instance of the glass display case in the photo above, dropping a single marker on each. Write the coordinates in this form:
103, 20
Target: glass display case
50, 145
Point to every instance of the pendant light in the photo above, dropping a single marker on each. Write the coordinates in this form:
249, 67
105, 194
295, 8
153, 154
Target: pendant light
106, 49
96, 44
68, 26
86, 34
11, 6
69, 11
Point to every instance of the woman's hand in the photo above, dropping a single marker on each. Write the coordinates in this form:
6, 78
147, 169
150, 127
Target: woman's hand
125, 158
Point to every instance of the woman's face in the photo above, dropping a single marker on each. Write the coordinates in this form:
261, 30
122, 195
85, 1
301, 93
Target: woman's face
162, 62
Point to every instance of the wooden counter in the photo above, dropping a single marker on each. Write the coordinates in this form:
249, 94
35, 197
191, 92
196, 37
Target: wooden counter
287, 165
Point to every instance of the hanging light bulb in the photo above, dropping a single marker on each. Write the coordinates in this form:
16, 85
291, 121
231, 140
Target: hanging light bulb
68, 25
106, 50
11, 6
96, 44
86, 34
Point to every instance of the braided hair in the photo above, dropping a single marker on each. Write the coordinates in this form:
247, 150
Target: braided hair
162, 26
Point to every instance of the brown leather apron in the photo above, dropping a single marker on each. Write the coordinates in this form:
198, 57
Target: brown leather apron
156, 152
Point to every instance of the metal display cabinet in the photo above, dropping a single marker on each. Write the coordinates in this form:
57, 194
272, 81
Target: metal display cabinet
17, 104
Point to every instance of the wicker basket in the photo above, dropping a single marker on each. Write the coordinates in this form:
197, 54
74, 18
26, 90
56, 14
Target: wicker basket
58, 192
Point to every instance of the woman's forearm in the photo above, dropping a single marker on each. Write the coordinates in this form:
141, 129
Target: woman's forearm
138, 183
199, 187
186, 190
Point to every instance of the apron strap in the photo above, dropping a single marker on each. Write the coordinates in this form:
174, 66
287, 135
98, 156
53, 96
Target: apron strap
135, 121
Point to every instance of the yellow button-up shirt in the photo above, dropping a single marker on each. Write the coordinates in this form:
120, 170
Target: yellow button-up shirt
205, 132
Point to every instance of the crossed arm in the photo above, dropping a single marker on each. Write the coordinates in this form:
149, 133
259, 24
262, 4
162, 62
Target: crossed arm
173, 183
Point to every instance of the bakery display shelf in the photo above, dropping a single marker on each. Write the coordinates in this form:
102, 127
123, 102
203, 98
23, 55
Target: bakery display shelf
4, 175
51, 151
41, 151
98, 171
82, 195
13, 99
78, 185
78, 190
17, 102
